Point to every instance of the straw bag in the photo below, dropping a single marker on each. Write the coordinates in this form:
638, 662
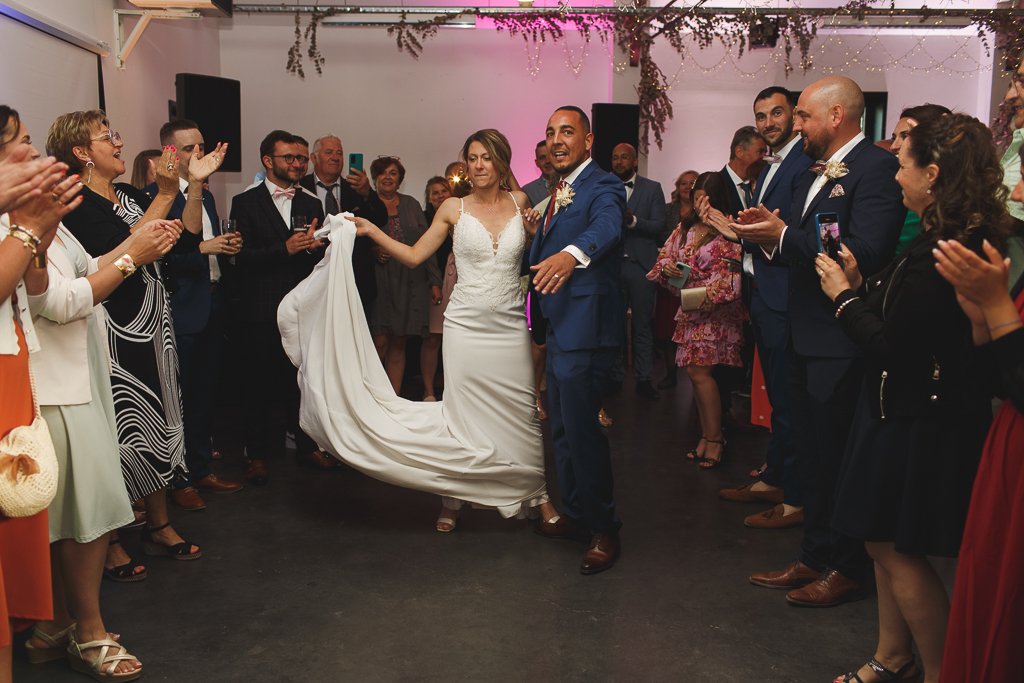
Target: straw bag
28, 466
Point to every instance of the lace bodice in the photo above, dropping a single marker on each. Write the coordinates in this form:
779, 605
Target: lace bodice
489, 269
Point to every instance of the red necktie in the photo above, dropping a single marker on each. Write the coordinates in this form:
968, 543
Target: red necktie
551, 205
818, 167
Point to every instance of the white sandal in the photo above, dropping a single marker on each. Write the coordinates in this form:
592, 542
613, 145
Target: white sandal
104, 667
56, 645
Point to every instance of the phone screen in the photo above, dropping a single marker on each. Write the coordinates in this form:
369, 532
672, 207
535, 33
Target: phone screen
355, 162
828, 235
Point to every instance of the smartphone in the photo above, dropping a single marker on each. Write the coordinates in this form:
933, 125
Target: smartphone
355, 162
828, 235
680, 282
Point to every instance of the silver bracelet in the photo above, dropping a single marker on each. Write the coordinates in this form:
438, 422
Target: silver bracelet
839, 311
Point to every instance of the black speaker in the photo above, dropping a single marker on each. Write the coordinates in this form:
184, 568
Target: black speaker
216, 105
612, 124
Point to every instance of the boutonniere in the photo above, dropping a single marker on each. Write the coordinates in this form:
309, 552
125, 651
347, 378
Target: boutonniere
837, 191
563, 196
834, 170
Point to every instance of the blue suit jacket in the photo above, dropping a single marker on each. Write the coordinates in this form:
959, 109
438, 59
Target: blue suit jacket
772, 277
190, 272
588, 311
647, 203
871, 215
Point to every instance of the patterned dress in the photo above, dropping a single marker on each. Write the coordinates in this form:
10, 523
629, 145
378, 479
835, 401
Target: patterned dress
144, 360
713, 334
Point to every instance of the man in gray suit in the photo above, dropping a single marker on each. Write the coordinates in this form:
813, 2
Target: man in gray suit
538, 189
645, 219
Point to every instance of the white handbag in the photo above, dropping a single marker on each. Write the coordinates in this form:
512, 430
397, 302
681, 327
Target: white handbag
692, 298
28, 466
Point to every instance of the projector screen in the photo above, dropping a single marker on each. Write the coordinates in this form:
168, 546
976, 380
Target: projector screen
42, 77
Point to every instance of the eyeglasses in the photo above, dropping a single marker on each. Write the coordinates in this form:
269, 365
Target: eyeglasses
112, 135
290, 158
389, 156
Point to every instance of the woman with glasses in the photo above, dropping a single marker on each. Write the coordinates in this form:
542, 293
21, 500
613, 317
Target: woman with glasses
144, 377
404, 295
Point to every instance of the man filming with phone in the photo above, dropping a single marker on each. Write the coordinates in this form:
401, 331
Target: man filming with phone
353, 194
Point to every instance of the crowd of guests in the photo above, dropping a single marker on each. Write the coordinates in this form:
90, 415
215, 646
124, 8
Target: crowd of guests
880, 362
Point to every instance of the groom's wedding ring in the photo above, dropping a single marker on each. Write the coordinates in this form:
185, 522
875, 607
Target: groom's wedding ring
556, 275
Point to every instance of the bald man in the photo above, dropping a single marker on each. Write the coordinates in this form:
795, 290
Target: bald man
645, 219
825, 365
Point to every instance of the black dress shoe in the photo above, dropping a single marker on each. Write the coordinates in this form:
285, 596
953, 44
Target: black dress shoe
647, 390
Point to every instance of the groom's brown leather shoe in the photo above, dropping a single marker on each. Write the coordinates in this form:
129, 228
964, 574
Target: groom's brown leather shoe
562, 527
829, 590
604, 550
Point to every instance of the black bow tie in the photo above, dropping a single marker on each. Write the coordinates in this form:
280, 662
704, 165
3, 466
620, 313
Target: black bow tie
628, 183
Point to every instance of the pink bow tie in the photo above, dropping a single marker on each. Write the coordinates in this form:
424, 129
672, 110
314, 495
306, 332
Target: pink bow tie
289, 193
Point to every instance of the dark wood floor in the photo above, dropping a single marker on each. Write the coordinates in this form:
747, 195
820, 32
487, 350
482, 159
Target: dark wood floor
337, 577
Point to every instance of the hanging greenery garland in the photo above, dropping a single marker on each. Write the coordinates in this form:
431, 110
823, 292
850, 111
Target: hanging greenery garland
636, 28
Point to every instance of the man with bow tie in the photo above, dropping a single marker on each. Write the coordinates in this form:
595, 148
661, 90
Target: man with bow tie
778, 483
274, 260
855, 180
645, 219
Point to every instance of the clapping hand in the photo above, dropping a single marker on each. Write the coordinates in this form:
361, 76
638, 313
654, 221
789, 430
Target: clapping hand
303, 241
152, 241
22, 180
201, 168
760, 225
165, 170
42, 213
982, 281
714, 218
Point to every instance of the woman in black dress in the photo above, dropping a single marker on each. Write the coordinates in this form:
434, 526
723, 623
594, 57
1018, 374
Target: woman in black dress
922, 416
147, 398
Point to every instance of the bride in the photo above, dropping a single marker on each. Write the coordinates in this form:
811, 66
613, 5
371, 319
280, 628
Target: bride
482, 443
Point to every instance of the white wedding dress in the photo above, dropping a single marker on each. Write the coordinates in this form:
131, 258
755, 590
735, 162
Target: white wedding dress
482, 443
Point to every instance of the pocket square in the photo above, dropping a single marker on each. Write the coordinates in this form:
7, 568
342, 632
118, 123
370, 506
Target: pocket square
837, 191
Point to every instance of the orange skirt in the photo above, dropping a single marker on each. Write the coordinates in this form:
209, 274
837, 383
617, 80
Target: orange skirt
25, 595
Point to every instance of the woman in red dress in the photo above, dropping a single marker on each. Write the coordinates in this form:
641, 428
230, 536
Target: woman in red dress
37, 196
986, 620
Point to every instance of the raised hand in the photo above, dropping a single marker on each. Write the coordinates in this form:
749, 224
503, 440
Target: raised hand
982, 281
22, 179
201, 168
760, 225
165, 169
359, 182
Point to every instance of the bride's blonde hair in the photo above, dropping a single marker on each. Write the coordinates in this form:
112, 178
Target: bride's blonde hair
496, 146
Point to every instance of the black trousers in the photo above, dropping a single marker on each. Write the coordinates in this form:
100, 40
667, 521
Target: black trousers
271, 400
823, 393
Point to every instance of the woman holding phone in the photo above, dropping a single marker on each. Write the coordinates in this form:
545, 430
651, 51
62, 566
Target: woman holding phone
712, 332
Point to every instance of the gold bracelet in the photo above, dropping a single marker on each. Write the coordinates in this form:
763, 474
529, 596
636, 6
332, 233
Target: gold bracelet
25, 237
15, 228
39, 259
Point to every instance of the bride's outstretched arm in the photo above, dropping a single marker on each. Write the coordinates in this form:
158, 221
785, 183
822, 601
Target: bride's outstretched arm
411, 256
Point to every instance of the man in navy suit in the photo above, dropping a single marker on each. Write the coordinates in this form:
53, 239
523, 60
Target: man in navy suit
746, 160
779, 483
576, 257
196, 300
855, 180
645, 219
274, 260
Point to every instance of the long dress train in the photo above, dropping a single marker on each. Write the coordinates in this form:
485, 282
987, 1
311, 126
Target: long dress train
482, 443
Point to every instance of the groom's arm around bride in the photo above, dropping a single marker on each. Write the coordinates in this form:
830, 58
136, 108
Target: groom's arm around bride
576, 256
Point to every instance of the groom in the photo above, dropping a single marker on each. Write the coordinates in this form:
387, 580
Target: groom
576, 257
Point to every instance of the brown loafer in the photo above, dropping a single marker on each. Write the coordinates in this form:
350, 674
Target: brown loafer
604, 550
317, 459
561, 527
256, 472
774, 518
188, 499
794, 576
828, 590
214, 484
745, 494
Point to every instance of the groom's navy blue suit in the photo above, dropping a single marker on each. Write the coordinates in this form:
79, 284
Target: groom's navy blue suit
585, 332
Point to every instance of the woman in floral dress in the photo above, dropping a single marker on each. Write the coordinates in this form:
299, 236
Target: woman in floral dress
713, 333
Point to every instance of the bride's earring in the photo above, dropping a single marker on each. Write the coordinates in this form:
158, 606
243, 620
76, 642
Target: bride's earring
89, 165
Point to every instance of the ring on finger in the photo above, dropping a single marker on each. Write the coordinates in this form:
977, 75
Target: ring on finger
556, 276
820, 272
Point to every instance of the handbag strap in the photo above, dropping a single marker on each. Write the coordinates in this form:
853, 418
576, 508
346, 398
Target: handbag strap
32, 382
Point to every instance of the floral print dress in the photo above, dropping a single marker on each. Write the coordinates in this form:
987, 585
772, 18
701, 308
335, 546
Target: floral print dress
712, 334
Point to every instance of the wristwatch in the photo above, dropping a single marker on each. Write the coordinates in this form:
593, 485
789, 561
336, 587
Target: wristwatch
126, 265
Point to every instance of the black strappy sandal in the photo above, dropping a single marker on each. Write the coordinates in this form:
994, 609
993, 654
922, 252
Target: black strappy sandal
179, 551
692, 453
907, 672
707, 463
125, 573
